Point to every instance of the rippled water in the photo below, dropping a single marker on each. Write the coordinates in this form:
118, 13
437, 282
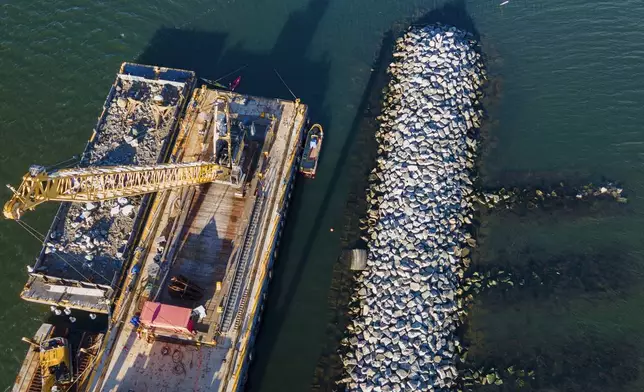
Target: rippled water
570, 80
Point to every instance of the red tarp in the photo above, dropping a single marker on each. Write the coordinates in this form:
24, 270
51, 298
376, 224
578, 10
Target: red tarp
158, 315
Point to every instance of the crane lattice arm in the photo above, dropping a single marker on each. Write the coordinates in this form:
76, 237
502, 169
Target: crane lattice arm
104, 183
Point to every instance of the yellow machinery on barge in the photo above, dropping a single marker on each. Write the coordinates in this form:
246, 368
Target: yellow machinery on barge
95, 184
55, 365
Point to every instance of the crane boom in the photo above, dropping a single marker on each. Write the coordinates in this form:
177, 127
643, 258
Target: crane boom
108, 182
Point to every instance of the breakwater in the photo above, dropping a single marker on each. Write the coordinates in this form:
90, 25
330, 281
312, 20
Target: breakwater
420, 198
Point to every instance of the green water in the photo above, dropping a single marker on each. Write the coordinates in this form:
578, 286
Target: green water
570, 83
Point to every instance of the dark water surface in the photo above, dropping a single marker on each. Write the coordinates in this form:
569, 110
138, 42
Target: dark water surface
570, 93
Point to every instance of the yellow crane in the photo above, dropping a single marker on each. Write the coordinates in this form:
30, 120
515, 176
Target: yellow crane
105, 183
98, 183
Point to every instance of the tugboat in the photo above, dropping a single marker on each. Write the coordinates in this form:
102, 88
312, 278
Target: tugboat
55, 364
311, 153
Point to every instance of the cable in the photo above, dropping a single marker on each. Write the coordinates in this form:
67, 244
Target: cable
289, 90
35, 233
40, 239
230, 73
33, 229
179, 369
177, 356
72, 159
36, 237
70, 164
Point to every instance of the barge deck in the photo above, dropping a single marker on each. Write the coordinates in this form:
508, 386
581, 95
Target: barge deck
219, 237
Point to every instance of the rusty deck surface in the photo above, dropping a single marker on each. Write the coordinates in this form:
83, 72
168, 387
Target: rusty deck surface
211, 227
28, 378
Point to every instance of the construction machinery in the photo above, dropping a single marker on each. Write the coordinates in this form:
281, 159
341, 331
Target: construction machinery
197, 257
110, 182
55, 362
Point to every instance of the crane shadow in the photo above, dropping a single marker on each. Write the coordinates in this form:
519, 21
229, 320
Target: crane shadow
453, 13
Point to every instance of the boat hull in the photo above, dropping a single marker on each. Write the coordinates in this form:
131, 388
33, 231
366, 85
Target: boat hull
311, 151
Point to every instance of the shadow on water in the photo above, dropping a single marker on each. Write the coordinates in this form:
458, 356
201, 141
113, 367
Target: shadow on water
453, 13
206, 53
198, 51
358, 159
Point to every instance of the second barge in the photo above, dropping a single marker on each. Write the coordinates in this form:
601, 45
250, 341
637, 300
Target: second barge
80, 265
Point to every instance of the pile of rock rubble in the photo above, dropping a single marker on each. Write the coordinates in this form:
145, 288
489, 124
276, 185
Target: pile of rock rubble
536, 197
93, 236
421, 198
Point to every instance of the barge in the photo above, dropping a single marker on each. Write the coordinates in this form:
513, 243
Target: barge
81, 263
220, 238
186, 291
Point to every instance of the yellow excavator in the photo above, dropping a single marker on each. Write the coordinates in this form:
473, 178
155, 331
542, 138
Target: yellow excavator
55, 363
110, 182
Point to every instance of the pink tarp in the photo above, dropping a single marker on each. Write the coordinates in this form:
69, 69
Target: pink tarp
158, 315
